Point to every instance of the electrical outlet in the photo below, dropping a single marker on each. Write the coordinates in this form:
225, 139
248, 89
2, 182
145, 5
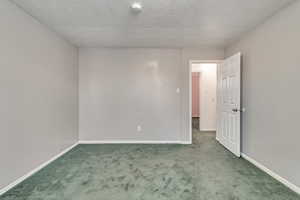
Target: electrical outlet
139, 128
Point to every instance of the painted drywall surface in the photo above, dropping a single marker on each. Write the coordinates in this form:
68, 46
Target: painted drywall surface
38, 86
121, 89
163, 23
271, 93
208, 93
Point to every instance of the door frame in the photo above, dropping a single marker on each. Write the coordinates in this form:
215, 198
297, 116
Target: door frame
191, 62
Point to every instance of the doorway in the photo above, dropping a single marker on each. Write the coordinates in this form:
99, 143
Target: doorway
203, 95
215, 90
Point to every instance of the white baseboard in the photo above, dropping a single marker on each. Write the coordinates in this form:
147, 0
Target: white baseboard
186, 142
273, 174
131, 142
208, 130
19, 180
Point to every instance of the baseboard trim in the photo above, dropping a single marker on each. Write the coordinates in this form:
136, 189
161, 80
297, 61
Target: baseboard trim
186, 142
19, 180
208, 130
273, 174
131, 142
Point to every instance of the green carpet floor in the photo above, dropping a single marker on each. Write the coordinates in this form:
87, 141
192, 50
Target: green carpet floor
202, 171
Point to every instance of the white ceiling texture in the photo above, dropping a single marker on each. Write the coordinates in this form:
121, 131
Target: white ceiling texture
162, 23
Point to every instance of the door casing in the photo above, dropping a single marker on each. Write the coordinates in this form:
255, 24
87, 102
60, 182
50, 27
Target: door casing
191, 62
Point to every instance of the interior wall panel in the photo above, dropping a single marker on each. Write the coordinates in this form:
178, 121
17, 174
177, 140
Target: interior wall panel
38, 87
270, 64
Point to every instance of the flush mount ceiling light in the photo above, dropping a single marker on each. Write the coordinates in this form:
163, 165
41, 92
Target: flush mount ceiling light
136, 7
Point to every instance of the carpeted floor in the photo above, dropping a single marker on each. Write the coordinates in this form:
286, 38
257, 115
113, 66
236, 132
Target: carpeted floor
202, 171
196, 123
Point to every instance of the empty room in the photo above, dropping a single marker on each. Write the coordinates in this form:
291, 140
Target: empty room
149, 100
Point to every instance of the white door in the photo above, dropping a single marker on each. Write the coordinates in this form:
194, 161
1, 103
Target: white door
229, 103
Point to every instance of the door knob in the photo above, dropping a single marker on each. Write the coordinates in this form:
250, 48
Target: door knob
238, 110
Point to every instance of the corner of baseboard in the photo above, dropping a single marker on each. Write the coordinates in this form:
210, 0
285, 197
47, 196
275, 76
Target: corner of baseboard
279, 178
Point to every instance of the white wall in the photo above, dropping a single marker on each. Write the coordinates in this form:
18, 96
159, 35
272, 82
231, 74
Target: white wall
38, 87
271, 93
208, 93
123, 88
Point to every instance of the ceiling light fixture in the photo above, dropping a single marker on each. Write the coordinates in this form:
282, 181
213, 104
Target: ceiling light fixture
136, 7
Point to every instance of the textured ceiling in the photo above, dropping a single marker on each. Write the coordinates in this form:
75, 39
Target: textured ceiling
162, 23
